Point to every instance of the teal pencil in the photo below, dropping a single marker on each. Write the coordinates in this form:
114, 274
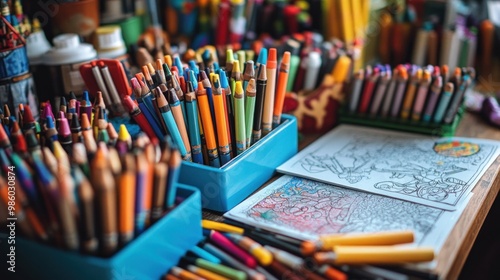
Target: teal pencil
443, 103
173, 174
193, 125
250, 96
168, 118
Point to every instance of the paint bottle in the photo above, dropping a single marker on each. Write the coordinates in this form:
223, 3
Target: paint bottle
64, 61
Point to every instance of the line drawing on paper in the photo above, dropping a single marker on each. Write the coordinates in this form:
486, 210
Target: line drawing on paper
430, 171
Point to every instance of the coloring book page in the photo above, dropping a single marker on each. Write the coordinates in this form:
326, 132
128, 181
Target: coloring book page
433, 171
304, 209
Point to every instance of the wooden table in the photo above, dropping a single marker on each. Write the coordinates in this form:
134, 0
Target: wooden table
455, 250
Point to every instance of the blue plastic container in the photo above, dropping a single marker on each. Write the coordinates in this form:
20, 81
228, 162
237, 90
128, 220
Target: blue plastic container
223, 188
149, 256
13, 63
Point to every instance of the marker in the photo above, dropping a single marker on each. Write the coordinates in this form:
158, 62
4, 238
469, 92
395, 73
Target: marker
374, 255
213, 225
261, 254
204, 254
252, 274
228, 246
220, 269
326, 242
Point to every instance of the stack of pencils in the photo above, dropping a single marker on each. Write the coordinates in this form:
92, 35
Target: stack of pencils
213, 114
79, 184
244, 252
427, 95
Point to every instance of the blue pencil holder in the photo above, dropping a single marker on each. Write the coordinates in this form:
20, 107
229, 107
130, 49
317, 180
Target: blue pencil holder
149, 256
223, 188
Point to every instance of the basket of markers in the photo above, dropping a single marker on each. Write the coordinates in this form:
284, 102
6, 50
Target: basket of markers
426, 100
86, 201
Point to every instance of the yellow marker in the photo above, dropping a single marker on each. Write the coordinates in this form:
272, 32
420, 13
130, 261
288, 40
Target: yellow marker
327, 242
341, 70
207, 274
212, 225
375, 255
263, 256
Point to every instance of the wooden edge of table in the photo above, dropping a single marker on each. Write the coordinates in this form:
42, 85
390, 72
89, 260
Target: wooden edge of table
457, 246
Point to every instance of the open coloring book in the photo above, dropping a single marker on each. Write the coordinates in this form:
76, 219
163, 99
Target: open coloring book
437, 172
304, 209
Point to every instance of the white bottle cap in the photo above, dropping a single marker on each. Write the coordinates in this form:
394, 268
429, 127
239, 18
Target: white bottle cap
109, 42
67, 50
37, 45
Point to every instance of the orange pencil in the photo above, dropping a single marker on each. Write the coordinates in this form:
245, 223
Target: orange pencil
126, 199
220, 121
104, 185
281, 89
207, 122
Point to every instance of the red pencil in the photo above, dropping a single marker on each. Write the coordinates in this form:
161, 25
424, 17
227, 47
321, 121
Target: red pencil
139, 118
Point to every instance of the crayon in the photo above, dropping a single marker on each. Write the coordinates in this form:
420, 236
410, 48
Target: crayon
267, 115
421, 96
126, 194
143, 192
252, 273
239, 118
136, 114
368, 89
250, 96
456, 100
281, 89
356, 87
184, 274
380, 91
399, 94
434, 94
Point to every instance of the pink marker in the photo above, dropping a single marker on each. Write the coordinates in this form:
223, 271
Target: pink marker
225, 244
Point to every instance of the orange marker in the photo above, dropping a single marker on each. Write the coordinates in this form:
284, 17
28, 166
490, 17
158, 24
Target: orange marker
281, 89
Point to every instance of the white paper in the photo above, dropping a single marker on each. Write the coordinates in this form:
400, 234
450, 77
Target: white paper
305, 209
400, 165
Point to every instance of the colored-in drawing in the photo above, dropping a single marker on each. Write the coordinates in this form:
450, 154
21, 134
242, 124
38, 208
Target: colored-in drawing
434, 172
304, 209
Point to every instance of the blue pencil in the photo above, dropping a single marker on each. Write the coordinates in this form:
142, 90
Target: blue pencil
193, 125
168, 118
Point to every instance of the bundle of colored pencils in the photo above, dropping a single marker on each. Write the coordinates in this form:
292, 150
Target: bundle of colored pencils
213, 114
430, 94
80, 185
246, 252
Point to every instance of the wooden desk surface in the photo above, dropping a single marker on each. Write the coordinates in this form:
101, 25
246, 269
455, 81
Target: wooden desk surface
455, 250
